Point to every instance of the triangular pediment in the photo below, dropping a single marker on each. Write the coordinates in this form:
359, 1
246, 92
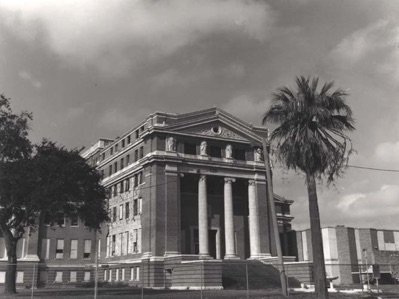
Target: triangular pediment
215, 129
216, 123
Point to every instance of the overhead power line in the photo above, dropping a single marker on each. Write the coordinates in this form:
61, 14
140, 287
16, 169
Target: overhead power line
375, 169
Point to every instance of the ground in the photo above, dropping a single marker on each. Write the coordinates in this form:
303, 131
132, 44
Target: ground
127, 292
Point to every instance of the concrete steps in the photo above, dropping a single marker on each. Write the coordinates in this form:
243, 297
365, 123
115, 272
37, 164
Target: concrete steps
260, 276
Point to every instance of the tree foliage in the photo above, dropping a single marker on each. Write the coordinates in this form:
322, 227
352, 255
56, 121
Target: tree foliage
41, 179
311, 127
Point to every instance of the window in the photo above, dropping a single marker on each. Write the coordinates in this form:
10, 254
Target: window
140, 178
99, 248
105, 275
110, 170
127, 160
127, 185
115, 193
58, 276
122, 244
127, 242
128, 139
107, 253
59, 252
215, 151
135, 233
140, 206
127, 211
137, 134
120, 212
61, 219
103, 156
122, 164
136, 155
123, 143
102, 173
2, 276
110, 275
113, 244
72, 276
87, 276
116, 167
141, 152
123, 274
132, 273
111, 151
136, 181
113, 214
190, 148
74, 249
239, 154
87, 249
117, 275
142, 129
121, 189
116, 148
45, 249
20, 277
75, 221
135, 207
137, 273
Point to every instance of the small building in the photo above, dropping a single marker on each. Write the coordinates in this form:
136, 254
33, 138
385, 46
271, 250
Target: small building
349, 253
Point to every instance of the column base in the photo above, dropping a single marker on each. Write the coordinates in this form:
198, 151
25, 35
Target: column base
30, 258
231, 257
205, 256
259, 256
171, 253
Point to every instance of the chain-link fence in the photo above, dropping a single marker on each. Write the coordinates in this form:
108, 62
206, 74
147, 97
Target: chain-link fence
139, 280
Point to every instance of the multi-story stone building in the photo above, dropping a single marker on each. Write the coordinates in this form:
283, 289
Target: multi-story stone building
186, 187
185, 191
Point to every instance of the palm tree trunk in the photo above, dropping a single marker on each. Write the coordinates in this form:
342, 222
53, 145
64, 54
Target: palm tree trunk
319, 269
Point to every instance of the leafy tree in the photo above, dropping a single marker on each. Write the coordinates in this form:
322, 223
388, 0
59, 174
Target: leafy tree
310, 136
43, 178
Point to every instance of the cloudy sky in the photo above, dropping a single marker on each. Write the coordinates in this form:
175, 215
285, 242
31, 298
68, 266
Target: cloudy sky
93, 68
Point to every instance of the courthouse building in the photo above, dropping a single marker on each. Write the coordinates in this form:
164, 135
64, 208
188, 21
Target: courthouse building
184, 191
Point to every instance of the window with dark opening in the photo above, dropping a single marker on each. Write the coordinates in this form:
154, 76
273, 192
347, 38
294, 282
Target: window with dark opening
215, 151
190, 148
239, 154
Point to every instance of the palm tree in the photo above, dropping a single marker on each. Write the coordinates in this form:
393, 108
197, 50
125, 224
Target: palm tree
310, 136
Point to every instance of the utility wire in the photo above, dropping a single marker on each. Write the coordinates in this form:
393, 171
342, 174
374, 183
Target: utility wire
375, 169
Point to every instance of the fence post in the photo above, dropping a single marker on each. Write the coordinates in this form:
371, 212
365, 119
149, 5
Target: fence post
96, 270
246, 275
33, 281
201, 273
142, 280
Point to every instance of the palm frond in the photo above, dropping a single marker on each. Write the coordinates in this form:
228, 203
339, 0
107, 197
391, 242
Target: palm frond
311, 126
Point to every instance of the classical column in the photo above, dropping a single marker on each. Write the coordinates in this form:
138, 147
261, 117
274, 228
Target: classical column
203, 218
253, 220
229, 219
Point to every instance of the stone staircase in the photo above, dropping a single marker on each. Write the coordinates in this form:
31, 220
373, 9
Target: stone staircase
260, 275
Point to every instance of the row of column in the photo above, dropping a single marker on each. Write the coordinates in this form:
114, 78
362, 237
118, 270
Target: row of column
254, 233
